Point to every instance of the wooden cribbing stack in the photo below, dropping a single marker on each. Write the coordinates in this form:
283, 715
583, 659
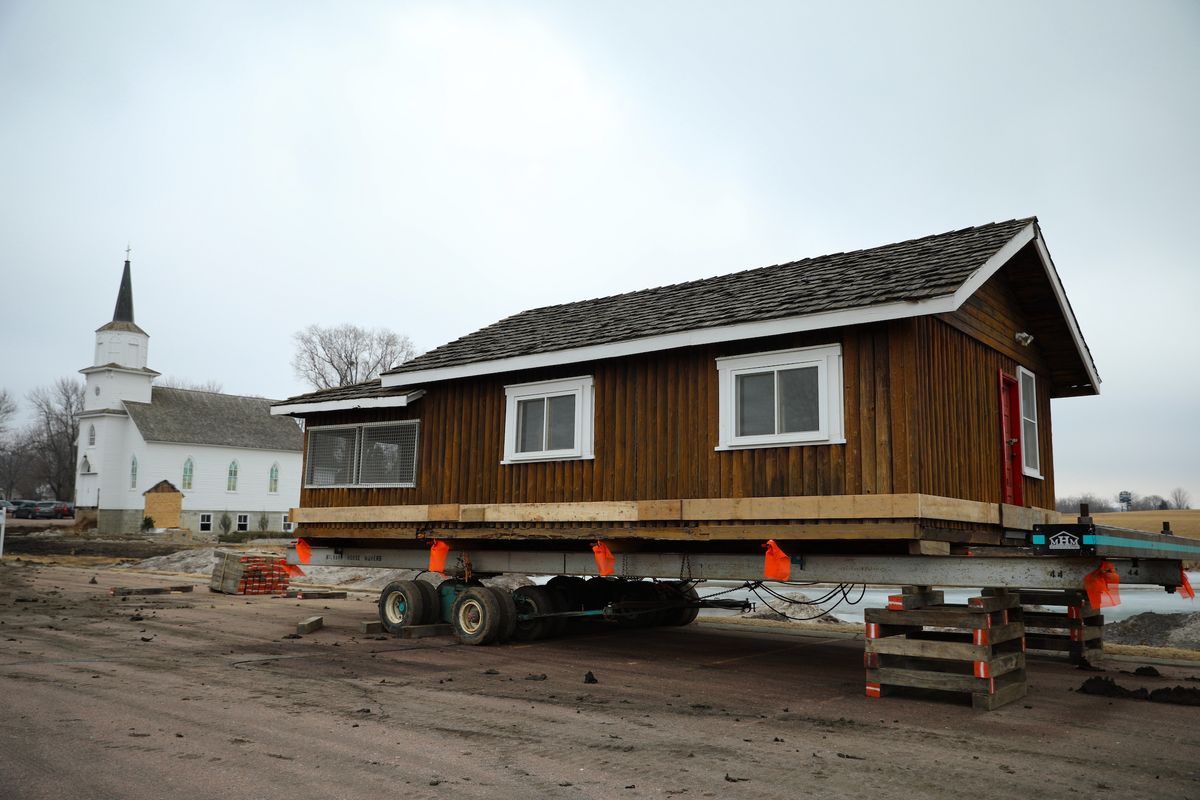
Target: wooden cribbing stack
1076, 632
921, 643
248, 573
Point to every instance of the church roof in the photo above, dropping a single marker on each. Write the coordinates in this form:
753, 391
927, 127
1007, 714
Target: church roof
188, 416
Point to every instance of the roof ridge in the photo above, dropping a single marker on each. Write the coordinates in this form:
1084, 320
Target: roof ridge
219, 394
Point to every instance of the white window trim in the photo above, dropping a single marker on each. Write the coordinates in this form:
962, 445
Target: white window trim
202, 522
238, 523
827, 359
273, 474
358, 453
234, 471
1032, 472
583, 388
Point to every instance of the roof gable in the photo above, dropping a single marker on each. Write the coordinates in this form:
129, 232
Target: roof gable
187, 416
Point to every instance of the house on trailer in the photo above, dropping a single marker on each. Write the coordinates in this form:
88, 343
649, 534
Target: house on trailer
894, 399
226, 453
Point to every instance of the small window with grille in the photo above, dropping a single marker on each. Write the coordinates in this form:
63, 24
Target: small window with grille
243, 522
382, 454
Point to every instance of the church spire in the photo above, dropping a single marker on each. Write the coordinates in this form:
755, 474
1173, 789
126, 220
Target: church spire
123, 312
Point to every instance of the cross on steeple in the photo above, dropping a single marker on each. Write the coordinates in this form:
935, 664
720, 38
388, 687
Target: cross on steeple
128, 250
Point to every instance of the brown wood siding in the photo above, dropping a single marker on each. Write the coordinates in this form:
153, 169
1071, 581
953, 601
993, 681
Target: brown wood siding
656, 430
958, 397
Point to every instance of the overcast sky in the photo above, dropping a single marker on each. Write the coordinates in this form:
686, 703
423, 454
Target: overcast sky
433, 167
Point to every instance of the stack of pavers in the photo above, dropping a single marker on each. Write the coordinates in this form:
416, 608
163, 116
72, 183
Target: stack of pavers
248, 573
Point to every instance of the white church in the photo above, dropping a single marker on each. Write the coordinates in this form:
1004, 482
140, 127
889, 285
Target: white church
225, 454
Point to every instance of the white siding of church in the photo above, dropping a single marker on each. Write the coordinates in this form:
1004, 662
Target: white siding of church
210, 471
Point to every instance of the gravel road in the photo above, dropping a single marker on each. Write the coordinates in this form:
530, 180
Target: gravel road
199, 695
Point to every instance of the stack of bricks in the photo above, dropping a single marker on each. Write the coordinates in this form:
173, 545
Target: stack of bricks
1076, 632
919, 642
248, 573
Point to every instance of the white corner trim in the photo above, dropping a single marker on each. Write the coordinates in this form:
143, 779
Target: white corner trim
397, 401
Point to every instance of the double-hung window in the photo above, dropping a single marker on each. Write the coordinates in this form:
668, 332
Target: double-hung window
382, 454
205, 523
787, 397
549, 420
243, 522
1027, 388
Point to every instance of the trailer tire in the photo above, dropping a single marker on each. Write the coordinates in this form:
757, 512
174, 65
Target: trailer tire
571, 589
508, 626
401, 604
687, 614
433, 601
599, 592
535, 600
477, 616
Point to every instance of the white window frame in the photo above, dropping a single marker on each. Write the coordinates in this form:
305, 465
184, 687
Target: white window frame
231, 477
288, 527
583, 388
188, 476
273, 479
358, 455
133, 470
243, 523
1036, 470
206, 523
828, 361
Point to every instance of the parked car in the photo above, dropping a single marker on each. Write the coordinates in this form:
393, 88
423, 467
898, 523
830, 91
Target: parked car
24, 509
52, 509
8, 506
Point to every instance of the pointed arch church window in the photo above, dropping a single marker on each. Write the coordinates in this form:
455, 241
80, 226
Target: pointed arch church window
231, 480
133, 473
85, 466
188, 469
91, 435
273, 481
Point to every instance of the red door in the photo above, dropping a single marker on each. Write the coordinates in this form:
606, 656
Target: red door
1010, 441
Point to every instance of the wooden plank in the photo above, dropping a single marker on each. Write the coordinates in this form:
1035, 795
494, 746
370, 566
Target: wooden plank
982, 701
923, 679
370, 626
1023, 519
448, 512
920, 648
609, 511
650, 510
948, 508
125, 591
928, 548
948, 617
424, 631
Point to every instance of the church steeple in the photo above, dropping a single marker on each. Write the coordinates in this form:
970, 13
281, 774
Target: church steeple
124, 308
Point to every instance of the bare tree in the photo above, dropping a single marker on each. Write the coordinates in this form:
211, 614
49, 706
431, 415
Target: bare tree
1069, 504
19, 466
345, 354
171, 382
8, 410
1181, 498
55, 433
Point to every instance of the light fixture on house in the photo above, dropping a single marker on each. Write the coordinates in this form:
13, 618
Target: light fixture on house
1024, 339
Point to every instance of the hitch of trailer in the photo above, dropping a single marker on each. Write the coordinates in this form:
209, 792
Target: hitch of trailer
636, 608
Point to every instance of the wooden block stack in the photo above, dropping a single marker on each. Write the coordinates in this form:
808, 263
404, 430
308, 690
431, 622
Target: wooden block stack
248, 573
919, 642
1075, 633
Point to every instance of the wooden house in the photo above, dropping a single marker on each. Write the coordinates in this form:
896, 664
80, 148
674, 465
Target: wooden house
896, 399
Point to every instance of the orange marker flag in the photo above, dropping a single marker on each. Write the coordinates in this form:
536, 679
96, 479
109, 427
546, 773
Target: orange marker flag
303, 551
437, 556
293, 570
776, 564
605, 561
1103, 586
1185, 586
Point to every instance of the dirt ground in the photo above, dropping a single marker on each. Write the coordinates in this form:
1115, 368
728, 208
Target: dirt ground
200, 695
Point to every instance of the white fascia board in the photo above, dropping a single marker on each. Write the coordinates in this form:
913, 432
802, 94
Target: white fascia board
649, 344
118, 368
943, 304
397, 401
1064, 305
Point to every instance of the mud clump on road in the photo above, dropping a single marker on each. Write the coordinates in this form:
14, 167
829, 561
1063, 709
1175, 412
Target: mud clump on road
1107, 687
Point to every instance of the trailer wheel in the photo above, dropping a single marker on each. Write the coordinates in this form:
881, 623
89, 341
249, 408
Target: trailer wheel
508, 626
477, 615
640, 592
599, 592
687, 594
401, 604
571, 588
535, 600
433, 601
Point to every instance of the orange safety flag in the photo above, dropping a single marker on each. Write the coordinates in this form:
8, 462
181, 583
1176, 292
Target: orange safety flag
293, 570
1103, 586
1185, 586
606, 562
303, 551
437, 556
776, 564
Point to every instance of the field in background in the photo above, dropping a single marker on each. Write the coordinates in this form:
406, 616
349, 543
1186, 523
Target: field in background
1183, 523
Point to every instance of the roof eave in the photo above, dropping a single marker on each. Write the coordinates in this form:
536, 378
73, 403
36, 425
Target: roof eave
349, 404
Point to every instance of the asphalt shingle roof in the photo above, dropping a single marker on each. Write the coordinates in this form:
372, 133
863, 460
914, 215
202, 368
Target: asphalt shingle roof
917, 269
352, 391
187, 416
